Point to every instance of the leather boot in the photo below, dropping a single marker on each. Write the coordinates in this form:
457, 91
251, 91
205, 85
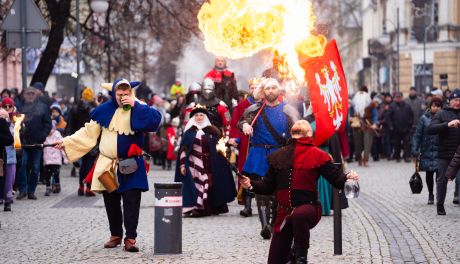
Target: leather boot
247, 211
301, 256
273, 210
114, 241
262, 209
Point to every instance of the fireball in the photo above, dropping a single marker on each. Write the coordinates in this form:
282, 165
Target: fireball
241, 28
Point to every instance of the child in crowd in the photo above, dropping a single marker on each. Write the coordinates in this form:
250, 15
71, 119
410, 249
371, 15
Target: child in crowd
171, 136
52, 161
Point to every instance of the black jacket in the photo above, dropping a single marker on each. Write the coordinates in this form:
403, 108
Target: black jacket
79, 115
449, 137
400, 117
37, 123
6, 138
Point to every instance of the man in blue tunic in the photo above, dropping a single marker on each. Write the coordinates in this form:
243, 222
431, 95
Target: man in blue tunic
118, 126
268, 133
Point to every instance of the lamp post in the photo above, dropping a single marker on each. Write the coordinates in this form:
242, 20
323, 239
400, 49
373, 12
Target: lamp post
101, 6
98, 6
385, 39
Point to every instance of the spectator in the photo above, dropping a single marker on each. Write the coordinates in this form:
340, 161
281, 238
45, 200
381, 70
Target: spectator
364, 126
42, 94
52, 161
79, 114
177, 89
400, 120
426, 146
56, 115
37, 126
5, 93
9, 161
446, 124
386, 137
416, 104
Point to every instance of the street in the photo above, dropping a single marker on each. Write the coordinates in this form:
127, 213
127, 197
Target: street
386, 224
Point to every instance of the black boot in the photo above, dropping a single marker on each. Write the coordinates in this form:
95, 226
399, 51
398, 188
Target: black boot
301, 256
263, 210
247, 211
441, 210
7, 207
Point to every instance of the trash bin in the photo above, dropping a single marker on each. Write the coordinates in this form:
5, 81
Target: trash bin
168, 218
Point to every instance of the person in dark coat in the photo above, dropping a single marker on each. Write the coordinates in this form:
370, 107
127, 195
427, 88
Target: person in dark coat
416, 104
79, 115
206, 177
426, 146
446, 124
400, 120
37, 126
293, 175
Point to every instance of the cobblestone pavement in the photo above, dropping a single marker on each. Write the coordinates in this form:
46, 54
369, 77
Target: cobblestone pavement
386, 224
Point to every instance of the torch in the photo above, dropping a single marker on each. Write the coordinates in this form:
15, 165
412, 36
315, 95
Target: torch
17, 119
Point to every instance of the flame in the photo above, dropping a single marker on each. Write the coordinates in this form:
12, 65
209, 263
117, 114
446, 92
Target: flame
17, 119
241, 28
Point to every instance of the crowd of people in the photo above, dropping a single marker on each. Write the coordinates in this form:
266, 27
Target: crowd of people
212, 132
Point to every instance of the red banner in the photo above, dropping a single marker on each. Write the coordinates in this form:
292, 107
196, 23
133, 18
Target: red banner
328, 91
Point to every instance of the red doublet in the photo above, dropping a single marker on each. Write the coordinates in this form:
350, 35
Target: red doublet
217, 76
224, 115
302, 177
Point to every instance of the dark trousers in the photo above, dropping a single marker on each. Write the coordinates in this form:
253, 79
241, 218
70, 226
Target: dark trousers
297, 227
52, 172
429, 181
441, 181
130, 214
401, 141
30, 170
87, 163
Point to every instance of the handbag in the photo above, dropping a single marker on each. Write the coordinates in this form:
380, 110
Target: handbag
108, 181
127, 166
415, 182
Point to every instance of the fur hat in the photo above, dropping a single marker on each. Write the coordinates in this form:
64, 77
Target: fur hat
199, 109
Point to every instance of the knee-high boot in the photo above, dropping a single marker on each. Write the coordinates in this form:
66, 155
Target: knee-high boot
247, 211
301, 255
264, 214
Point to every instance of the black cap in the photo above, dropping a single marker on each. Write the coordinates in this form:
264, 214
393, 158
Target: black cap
39, 86
455, 94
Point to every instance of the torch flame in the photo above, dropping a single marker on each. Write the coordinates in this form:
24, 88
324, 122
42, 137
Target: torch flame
17, 119
241, 28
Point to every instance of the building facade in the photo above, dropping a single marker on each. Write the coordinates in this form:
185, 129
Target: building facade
410, 43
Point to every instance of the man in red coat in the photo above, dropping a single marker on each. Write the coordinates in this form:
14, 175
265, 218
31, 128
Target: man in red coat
224, 81
238, 138
293, 175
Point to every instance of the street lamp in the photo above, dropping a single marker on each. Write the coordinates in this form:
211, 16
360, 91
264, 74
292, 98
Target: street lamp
98, 6
385, 40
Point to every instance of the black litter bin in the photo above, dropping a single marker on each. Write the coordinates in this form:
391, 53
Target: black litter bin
168, 218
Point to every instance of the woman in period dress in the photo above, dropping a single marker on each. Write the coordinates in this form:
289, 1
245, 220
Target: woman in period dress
207, 179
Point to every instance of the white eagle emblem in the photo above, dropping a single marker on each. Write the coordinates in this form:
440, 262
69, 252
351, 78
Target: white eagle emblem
331, 93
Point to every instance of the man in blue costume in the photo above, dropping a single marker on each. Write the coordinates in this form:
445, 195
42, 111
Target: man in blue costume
268, 133
118, 126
